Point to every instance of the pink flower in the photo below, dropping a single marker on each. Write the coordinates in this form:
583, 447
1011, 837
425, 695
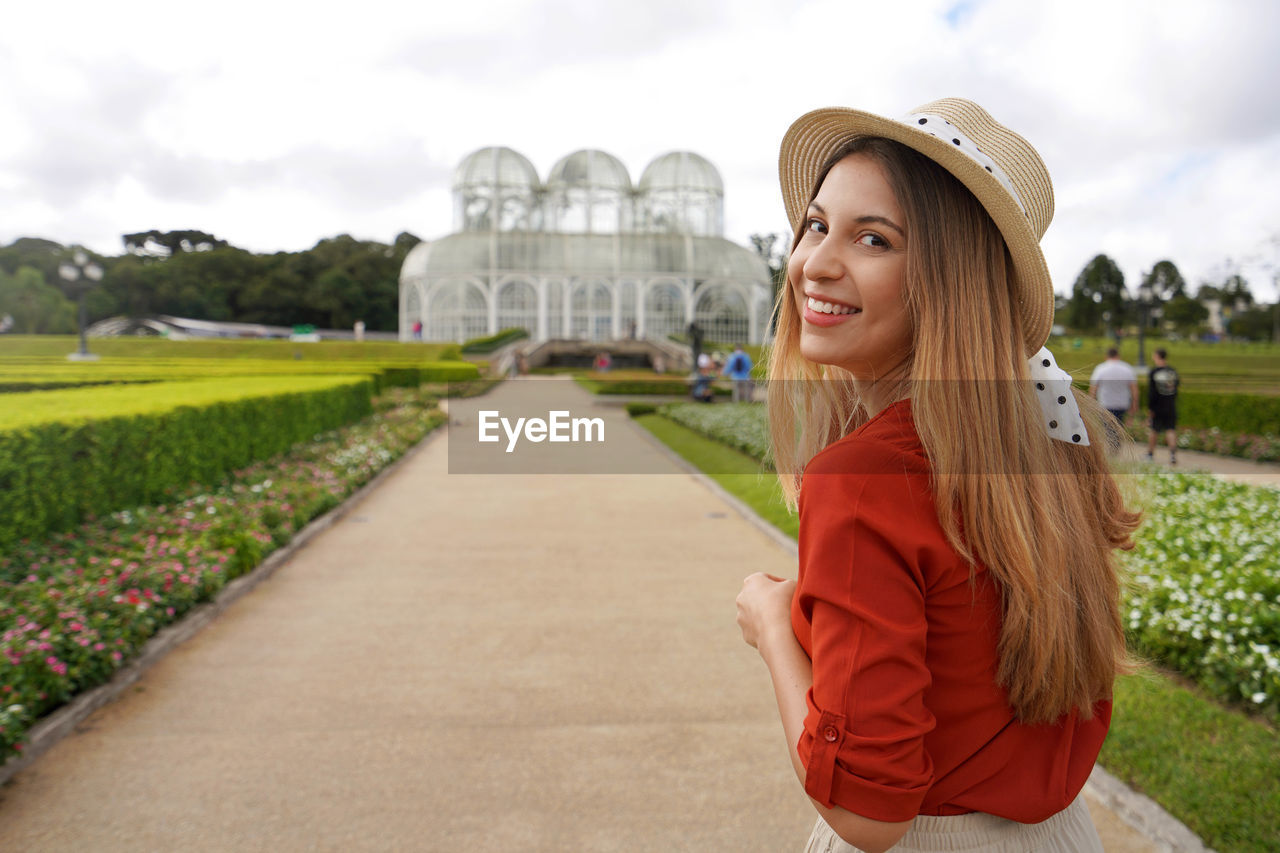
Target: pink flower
98, 647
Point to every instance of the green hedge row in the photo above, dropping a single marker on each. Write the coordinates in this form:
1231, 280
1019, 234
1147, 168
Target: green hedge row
489, 343
1247, 413
439, 371
1254, 414
384, 375
55, 474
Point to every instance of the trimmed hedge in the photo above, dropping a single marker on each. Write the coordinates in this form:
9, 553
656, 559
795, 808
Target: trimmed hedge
1245, 413
56, 347
1253, 414
27, 376
440, 371
114, 448
489, 343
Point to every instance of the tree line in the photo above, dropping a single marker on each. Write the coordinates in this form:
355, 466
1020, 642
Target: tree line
340, 280
1100, 303
194, 274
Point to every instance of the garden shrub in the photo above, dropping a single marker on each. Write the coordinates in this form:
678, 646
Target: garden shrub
635, 410
489, 343
59, 464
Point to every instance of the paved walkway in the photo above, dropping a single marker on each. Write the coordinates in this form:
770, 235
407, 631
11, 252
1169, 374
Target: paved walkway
464, 662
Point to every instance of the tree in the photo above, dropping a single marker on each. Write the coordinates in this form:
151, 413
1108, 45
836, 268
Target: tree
165, 244
36, 307
1098, 297
1256, 324
1185, 314
35, 252
1235, 291
1165, 282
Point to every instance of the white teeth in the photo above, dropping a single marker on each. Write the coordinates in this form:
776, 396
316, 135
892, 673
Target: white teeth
829, 308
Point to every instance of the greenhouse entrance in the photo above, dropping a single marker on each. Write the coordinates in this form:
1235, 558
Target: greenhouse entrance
637, 354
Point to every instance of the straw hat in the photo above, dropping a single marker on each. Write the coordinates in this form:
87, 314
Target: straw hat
998, 166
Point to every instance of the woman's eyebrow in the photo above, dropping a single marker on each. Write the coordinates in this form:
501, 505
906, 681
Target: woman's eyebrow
859, 220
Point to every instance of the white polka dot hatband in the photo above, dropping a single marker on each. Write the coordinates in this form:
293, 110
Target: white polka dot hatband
998, 166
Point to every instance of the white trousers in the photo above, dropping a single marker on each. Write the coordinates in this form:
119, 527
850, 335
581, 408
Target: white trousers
1069, 831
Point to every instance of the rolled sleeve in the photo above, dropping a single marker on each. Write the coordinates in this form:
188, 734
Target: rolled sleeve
861, 607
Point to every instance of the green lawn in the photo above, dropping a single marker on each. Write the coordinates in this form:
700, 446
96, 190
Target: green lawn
1216, 769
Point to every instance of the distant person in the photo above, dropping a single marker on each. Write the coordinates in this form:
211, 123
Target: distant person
695, 342
659, 364
603, 362
6, 323
738, 368
417, 330
1162, 402
1114, 385
703, 375
522, 363
358, 330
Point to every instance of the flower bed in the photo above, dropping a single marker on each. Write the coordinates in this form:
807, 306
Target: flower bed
1204, 595
1258, 448
77, 606
743, 426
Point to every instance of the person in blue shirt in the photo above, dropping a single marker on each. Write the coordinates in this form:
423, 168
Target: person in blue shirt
738, 368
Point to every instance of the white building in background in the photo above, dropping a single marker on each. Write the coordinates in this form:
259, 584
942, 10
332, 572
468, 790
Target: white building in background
585, 255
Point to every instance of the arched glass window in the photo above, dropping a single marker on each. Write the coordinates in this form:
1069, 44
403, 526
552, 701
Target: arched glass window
412, 306
518, 307
722, 314
591, 312
664, 312
457, 311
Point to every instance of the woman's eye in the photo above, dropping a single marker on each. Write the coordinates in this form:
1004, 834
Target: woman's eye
873, 240
816, 226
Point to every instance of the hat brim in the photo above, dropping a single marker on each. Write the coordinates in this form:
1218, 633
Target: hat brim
815, 136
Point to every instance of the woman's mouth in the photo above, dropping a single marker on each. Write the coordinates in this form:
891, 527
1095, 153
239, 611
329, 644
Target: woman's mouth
821, 313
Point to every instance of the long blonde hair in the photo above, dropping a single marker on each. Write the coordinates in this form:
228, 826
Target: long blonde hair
1042, 516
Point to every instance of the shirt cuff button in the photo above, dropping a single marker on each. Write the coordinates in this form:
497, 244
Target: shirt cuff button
830, 734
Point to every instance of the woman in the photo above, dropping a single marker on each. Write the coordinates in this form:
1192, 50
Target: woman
943, 666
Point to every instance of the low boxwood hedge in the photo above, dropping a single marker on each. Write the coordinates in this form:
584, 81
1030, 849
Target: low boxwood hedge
489, 343
69, 455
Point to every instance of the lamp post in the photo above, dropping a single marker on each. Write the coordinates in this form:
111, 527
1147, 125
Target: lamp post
81, 267
1144, 305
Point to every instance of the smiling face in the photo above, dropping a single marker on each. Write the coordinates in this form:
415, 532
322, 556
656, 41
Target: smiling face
847, 273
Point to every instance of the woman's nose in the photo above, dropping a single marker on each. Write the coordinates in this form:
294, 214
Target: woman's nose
823, 263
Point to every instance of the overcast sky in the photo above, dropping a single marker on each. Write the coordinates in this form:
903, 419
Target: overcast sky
273, 125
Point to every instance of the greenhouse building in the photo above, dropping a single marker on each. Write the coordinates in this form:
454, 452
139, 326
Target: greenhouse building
586, 255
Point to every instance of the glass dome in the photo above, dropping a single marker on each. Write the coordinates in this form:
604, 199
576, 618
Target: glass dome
589, 192
496, 189
681, 192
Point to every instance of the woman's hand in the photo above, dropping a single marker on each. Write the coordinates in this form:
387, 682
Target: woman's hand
764, 605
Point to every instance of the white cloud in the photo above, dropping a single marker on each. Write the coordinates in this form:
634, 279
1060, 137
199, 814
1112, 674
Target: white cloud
274, 127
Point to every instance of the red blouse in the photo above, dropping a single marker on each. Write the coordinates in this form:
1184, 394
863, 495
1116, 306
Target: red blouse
905, 716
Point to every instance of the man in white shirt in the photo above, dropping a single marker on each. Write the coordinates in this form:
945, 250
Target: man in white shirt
1114, 385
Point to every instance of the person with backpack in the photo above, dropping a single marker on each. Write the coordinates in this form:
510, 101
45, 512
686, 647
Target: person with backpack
738, 368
